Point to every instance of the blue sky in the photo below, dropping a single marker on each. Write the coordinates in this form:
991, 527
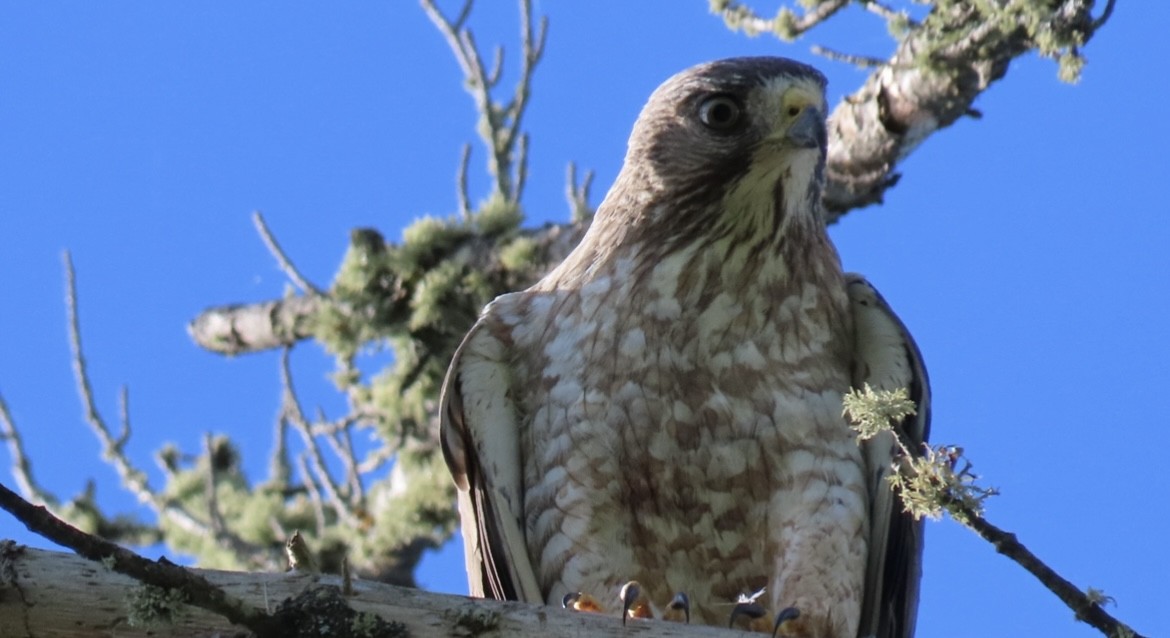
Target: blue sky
1027, 250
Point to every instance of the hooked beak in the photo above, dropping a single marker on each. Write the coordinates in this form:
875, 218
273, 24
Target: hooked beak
808, 129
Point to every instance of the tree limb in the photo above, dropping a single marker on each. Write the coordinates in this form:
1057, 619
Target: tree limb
198, 591
245, 328
1086, 609
66, 596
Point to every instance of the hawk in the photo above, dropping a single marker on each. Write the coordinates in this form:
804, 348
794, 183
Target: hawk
665, 405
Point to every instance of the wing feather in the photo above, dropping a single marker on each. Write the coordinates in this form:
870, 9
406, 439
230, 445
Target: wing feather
886, 358
480, 435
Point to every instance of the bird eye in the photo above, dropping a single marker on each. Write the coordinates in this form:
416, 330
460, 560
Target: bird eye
720, 112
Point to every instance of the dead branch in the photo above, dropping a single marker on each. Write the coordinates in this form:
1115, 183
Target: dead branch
60, 595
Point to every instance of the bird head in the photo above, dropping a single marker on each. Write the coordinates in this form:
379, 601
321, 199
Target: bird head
734, 147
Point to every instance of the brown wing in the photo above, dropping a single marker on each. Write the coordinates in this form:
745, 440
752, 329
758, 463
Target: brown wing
886, 358
480, 437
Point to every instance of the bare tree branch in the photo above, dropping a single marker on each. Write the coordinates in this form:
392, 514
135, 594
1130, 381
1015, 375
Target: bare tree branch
860, 61
786, 25
1086, 609
578, 195
461, 183
286, 264
133, 478
500, 124
319, 478
21, 466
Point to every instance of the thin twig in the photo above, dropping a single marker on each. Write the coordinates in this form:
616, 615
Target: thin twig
521, 167
821, 12
532, 49
21, 466
461, 183
349, 459
493, 76
464, 12
341, 442
314, 495
214, 517
785, 25
1106, 13
279, 470
1007, 544
123, 418
132, 478
321, 476
375, 460
501, 125
286, 264
578, 195
860, 61
887, 13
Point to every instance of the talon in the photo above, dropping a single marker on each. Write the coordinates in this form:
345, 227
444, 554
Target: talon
749, 609
576, 601
788, 613
678, 609
634, 602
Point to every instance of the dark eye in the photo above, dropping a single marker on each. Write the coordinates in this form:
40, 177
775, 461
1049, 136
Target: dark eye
720, 112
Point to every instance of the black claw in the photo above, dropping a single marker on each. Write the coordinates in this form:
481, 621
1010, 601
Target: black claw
681, 602
749, 608
629, 595
789, 613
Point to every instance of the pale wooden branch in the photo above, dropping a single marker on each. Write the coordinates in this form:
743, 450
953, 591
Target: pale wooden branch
162, 574
66, 596
254, 327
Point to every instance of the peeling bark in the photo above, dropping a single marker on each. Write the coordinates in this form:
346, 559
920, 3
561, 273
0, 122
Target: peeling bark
59, 595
